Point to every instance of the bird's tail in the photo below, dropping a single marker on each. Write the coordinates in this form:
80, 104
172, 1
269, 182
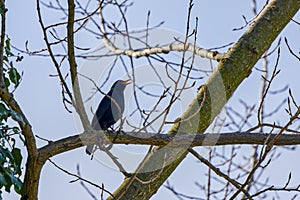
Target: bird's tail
89, 149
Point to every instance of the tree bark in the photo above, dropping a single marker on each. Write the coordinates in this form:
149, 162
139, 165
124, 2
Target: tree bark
210, 100
32, 178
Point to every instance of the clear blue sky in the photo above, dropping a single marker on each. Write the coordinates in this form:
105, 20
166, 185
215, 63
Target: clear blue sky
40, 98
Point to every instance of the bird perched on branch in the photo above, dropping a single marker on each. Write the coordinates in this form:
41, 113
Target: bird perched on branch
110, 109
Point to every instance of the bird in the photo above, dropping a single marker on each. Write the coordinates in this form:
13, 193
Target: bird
110, 109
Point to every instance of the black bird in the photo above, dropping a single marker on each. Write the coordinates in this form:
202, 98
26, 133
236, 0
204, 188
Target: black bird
110, 109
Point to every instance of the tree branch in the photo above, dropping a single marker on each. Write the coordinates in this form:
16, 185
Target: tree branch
19, 116
214, 55
51, 54
2, 39
73, 67
173, 141
219, 172
230, 73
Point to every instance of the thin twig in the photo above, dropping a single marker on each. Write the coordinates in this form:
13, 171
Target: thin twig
80, 178
218, 172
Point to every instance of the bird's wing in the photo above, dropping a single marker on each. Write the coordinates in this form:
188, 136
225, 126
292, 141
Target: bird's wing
103, 106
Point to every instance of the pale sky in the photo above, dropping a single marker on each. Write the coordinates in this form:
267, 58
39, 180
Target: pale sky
40, 96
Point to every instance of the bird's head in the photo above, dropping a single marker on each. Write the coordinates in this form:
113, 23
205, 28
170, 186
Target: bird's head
120, 85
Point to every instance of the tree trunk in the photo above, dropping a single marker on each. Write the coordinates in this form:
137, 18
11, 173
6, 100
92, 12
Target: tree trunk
32, 178
211, 98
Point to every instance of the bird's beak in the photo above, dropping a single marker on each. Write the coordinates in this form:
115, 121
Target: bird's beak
126, 82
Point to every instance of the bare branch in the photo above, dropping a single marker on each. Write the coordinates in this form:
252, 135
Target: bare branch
63, 83
2, 40
78, 177
73, 67
214, 55
291, 51
182, 139
270, 142
218, 172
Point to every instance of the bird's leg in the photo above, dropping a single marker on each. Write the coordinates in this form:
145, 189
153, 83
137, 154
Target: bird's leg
92, 156
93, 151
117, 133
114, 139
100, 144
111, 144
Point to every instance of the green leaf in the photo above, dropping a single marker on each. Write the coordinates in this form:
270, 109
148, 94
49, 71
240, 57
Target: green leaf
18, 185
7, 47
2, 181
5, 58
8, 52
8, 180
7, 82
2, 159
17, 159
7, 43
10, 156
4, 112
14, 76
1, 13
10, 169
